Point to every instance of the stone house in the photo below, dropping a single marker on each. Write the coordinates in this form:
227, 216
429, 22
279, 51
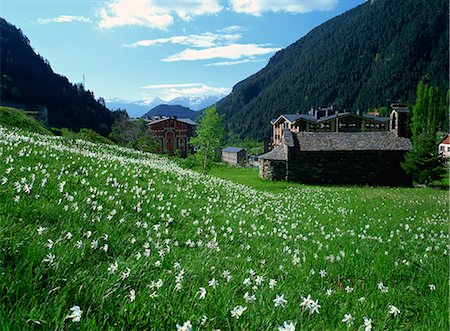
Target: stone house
234, 155
172, 133
328, 119
372, 158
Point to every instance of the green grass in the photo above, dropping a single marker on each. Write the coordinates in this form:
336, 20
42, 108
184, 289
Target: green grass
13, 117
164, 225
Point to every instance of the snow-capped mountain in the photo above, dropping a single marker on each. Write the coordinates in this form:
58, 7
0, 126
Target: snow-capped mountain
140, 107
196, 103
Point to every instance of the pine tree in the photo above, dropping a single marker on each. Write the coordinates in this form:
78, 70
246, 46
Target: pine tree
210, 136
424, 163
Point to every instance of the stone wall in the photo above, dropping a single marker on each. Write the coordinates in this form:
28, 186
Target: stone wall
349, 167
271, 169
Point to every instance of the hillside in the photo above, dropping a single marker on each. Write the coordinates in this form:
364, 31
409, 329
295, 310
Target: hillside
17, 118
28, 78
137, 243
370, 56
170, 110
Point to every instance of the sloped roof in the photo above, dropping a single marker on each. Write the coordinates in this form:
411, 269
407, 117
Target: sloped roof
445, 140
275, 154
352, 141
183, 120
232, 149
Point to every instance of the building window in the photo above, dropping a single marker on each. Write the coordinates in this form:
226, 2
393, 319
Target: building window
441, 148
448, 149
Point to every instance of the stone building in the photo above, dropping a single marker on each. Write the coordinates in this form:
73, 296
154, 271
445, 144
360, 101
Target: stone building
234, 155
328, 119
372, 158
172, 133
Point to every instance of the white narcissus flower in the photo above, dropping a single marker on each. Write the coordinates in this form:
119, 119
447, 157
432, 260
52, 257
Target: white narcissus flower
348, 319
237, 311
187, 326
280, 301
287, 326
394, 311
201, 293
76, 314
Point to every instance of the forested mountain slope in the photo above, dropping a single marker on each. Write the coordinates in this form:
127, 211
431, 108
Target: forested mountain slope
27, 78
370, 56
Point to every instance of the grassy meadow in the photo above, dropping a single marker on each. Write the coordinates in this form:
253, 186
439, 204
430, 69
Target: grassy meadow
94, 236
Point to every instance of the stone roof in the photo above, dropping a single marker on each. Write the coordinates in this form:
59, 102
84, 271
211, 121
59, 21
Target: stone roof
295, 117
232, 149
352, 141
275, 154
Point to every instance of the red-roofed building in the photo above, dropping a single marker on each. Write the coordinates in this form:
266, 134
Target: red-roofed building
444, 146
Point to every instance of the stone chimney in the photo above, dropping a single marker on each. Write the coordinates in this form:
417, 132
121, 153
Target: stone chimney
399, 120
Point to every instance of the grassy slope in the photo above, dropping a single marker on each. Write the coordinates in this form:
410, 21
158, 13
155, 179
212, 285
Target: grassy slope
359, 236
13, 117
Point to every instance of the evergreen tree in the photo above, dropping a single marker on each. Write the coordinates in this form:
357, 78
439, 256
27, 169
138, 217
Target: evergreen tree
424, 163
210, 136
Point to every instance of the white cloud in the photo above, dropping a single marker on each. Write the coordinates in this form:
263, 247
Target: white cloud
257, 7
204, 40
172, 93
65, 19
158, 14
169, 92
232, 29
164, 86
232, 63
232, 52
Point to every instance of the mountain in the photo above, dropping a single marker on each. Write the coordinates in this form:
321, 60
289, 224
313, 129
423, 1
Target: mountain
28, 79
138, 108
370, 56
197, 102
171, 110
134, 108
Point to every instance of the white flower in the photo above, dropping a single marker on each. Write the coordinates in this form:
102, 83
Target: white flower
40, 230
348, 319
201, 293
187, 326
247, 281
280, 301
329, 292
132, 295
49, 258
394, 311
213, 283
322, 273
272, 283
349, 289
126, 273
383, 289
314, 307
287, 326
237, 311
69, 235
113, 267
432, 287
367, 324
249, 298
76, 314
306, 302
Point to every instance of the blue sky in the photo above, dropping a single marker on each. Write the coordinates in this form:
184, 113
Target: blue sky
140, 49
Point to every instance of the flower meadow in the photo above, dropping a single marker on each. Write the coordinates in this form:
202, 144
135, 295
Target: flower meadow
101, 237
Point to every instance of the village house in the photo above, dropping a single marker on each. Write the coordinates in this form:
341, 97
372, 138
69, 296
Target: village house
328, 119
234, 155
371, 157
172, 133
444, 146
